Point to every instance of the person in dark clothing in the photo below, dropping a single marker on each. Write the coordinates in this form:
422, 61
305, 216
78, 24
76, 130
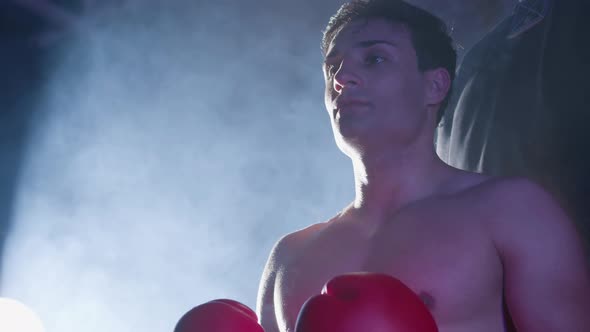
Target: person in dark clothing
520, 104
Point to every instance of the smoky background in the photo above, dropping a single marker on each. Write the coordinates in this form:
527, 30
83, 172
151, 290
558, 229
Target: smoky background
172, 144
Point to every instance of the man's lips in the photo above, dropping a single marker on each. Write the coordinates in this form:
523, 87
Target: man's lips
349, 104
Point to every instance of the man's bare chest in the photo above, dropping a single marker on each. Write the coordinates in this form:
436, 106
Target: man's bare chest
317, 260
448, 264
451, 264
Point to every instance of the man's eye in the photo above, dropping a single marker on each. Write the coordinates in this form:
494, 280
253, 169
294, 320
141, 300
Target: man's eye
374, 59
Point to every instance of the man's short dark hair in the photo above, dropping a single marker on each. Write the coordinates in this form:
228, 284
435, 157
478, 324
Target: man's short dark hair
430, 37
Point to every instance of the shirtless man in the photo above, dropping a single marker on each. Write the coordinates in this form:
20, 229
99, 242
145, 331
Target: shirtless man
472, 247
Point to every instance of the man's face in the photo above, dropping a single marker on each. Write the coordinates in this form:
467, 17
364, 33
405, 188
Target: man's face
374, 90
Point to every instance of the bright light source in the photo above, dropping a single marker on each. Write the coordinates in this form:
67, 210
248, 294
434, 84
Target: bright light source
17, 317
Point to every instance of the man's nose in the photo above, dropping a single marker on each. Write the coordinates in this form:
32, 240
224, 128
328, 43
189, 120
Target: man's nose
346, 77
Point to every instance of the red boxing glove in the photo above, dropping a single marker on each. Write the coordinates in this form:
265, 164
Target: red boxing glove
365, 302
219, 316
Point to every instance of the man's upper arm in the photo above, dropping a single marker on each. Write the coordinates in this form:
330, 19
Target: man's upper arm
546, 273
265, 299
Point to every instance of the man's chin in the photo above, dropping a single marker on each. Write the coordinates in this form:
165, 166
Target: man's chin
352, 127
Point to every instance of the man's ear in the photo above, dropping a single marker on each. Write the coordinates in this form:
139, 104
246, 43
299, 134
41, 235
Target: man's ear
438, 84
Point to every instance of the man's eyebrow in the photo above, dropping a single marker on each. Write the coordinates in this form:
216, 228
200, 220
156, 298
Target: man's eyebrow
364, 44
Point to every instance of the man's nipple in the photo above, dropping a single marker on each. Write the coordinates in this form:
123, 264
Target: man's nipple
427, 299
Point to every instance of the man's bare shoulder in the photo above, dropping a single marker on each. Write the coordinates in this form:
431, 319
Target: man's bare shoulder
291, 242
513, 206
494, 189
508, 199
508, 190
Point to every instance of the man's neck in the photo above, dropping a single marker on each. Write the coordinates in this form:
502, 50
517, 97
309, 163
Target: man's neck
386, 182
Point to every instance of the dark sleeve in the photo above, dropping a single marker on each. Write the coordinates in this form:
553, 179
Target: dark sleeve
566, 92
